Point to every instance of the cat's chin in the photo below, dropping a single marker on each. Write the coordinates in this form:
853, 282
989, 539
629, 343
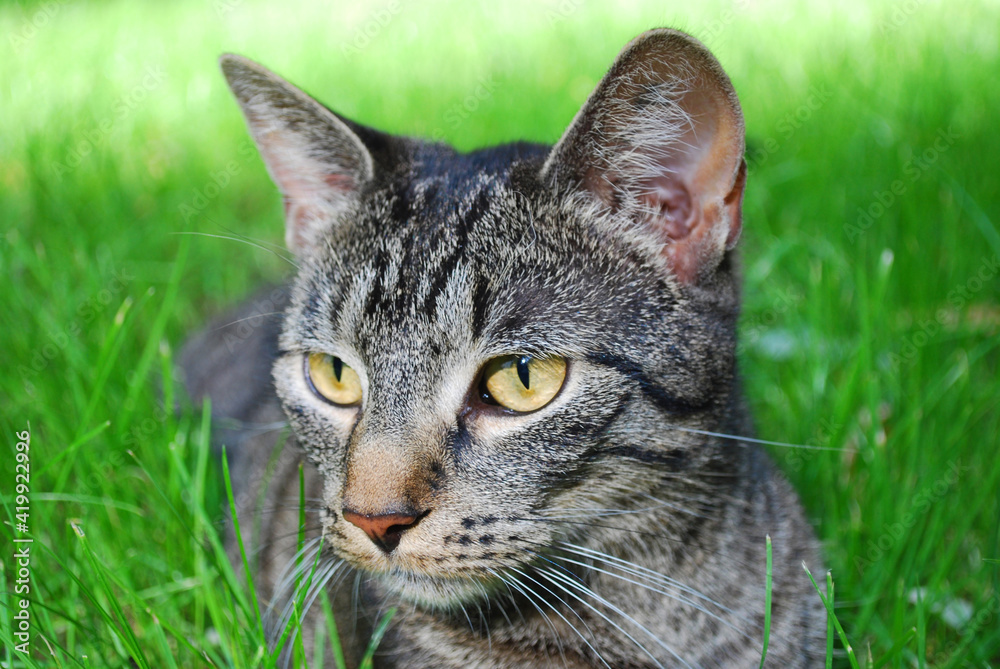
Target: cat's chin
436, 592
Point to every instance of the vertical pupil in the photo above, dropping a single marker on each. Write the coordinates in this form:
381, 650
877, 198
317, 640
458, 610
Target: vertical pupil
338, 368
522, 370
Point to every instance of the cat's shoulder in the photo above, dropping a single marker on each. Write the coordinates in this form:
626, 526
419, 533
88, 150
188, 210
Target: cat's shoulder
229, 362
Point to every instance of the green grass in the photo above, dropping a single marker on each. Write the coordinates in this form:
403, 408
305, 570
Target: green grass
875, 336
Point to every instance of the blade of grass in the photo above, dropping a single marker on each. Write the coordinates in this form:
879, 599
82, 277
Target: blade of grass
331, 627
896, 647
161, 639
319, 646
243, 550
299, 545
111, 351
203, 447
155, 336
182, 639
71, 449
88, 499
298, 599
7, 642
830, 632
54, 557
767, 602
124, 632
218, 555
833, 616
367, 662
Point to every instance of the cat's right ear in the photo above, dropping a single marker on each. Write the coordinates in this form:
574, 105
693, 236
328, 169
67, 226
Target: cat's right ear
318, 163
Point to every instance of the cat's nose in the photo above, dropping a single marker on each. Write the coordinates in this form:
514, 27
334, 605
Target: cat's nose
385, 530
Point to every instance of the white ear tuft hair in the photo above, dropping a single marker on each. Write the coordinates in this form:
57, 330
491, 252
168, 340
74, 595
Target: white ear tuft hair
661, 137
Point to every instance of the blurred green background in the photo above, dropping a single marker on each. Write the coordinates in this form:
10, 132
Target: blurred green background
870, 252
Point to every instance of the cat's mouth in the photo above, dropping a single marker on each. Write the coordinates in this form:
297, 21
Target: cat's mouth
421, 580
433, 591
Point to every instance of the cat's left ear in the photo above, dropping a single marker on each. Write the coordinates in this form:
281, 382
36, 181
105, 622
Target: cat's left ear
318, 163
661, 139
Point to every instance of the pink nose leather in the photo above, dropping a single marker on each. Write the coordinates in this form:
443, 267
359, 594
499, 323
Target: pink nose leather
385, 530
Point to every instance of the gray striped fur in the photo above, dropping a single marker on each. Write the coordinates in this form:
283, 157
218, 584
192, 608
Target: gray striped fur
605, 529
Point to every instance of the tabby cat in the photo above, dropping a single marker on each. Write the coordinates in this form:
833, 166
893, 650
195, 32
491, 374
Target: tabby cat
511, 374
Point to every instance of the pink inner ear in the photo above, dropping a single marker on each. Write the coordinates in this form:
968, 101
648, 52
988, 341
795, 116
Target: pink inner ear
690, 215
671, 201
310, 188
691, 196
678, 221
339, 182
301, 177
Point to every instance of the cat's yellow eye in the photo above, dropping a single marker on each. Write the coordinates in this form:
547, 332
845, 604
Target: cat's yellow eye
522, 382
333, 380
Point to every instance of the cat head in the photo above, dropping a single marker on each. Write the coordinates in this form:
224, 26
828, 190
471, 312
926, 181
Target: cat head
484, 350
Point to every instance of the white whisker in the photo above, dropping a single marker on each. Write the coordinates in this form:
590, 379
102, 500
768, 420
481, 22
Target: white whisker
640, 571
544, 574
765, 442
245, 240
291, 601
550, 575
292, 569
571, 626
672, 595
248, 318
525, 590
317, 582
